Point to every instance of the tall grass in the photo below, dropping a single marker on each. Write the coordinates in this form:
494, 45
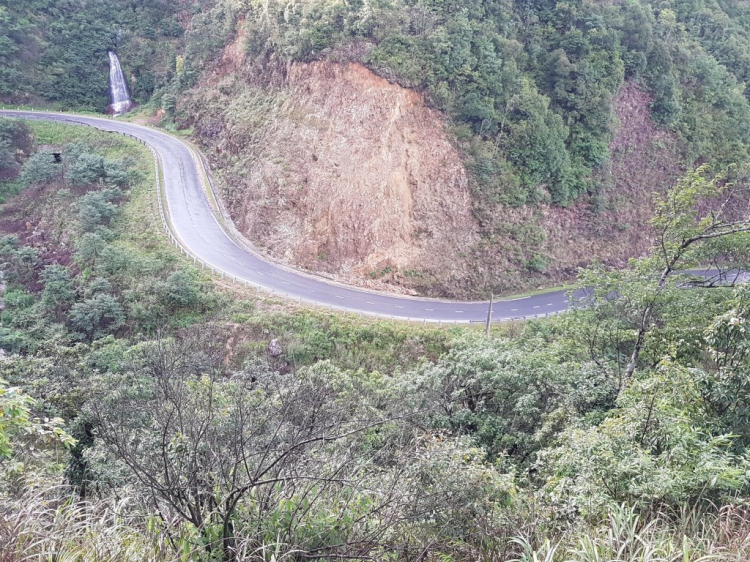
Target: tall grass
41, 528
626, 536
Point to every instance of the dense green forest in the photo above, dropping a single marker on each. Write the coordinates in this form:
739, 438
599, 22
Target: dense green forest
147, 414
56, 52
529, 85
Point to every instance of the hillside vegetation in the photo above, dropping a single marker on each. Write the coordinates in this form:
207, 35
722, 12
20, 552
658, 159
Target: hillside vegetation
55, 52
150, 414
543, 101
567, 116
530, 85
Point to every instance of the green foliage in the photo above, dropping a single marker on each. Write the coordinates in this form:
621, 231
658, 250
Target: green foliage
537, 145
25, 439
181, 290
96, 209
97, 316
726, 388
15, 142
653, 450
14, 417
57, 51
86, 169
59, 293
508, 396
40, 169
18, 262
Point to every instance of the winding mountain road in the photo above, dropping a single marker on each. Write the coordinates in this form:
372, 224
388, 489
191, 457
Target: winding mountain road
194, 225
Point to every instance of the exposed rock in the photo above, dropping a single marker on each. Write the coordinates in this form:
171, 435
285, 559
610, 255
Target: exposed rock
274, 348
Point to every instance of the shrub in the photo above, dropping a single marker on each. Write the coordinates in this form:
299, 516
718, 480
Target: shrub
86, 169
58, 294
40, 169
96, 209
97, 316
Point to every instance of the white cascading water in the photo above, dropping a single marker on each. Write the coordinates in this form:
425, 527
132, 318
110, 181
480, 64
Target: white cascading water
118, 89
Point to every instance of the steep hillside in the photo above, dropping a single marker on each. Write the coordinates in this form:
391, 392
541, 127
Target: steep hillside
339, 171
540, 131
330, 168
566, 119
55, 52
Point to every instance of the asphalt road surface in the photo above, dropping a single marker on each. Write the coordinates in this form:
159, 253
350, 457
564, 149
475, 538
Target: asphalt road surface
195, 226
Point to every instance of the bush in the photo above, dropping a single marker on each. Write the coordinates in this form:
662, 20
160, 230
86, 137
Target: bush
181, 290
86, 169
97, 316
40, 169
96, 209
58, 294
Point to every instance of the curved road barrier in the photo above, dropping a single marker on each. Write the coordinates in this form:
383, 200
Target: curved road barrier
192, 225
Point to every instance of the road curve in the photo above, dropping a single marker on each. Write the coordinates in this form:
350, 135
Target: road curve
194, 224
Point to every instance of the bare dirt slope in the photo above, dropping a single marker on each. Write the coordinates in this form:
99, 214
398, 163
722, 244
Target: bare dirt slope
345, 173
613, 226
328, 167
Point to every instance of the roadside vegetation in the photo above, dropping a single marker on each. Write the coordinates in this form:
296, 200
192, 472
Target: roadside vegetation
148, 413
530, 92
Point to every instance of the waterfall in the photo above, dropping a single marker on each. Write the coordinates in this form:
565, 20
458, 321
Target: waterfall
118, 89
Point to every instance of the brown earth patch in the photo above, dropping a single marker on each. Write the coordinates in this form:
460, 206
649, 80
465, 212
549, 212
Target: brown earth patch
333, 169
644, 160
341, 171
